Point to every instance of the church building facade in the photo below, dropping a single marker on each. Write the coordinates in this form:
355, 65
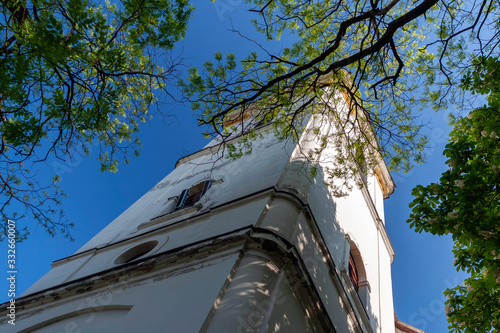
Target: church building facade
254, 244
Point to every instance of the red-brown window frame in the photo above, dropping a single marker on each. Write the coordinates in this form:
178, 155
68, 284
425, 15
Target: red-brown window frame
353, 272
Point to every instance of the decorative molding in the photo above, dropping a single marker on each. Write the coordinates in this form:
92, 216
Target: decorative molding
216, 148
81, 312
170, 216
144, 268
384, 178
378, 222
356, 297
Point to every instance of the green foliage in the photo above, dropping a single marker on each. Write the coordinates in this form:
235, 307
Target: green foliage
388, 59
466, 204
357, 49
75, 73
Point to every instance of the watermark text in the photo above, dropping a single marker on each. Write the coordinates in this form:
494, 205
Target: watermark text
11, 271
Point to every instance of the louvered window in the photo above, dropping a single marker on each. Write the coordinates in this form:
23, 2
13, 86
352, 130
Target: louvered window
192, 195
353, 273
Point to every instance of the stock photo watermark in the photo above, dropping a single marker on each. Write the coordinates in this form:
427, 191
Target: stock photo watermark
11, 271
257, 315
437, 137
260, 310
433, 310
62, 167
224, 7
87, 309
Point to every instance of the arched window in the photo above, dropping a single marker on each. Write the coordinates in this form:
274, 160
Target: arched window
357, 274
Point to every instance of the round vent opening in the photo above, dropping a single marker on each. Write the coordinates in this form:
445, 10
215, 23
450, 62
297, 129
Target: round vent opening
136, 252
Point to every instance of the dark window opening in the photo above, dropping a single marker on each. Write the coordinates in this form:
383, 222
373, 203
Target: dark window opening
192, 195
136, 252
353, 272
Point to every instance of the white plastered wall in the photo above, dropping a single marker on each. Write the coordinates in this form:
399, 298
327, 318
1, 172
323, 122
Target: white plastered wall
273, 164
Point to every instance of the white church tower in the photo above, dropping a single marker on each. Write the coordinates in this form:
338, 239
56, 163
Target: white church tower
255, 244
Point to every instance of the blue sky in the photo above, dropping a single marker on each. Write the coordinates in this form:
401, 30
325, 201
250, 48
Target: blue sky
423, 267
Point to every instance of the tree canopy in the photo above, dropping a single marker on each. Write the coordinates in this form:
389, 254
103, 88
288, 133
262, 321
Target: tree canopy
465, 203
80, 72
400, 56
390, 59
75, 73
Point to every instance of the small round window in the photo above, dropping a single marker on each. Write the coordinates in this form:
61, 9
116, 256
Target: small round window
136, 252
